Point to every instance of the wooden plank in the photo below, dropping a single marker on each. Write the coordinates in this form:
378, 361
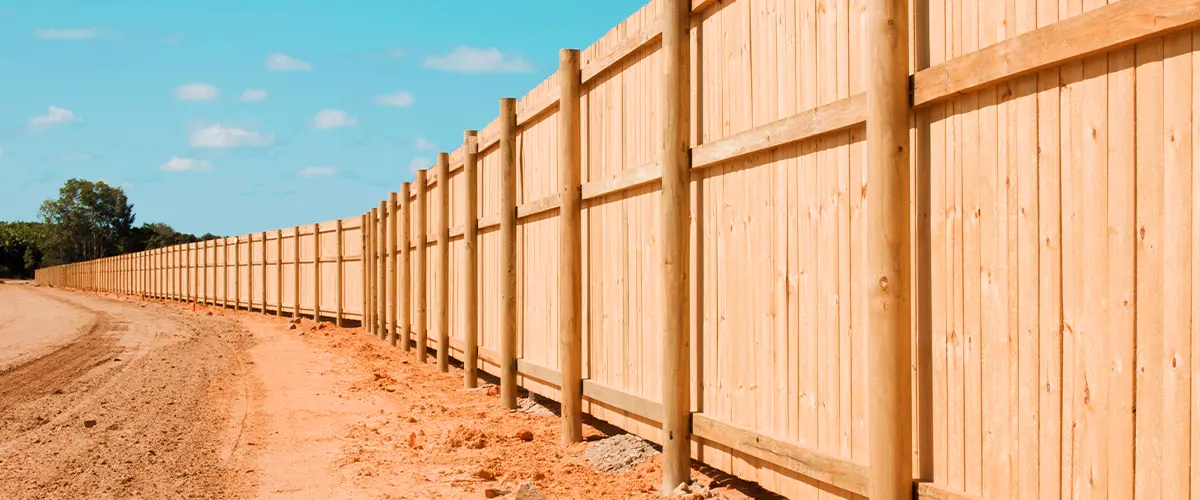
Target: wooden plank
623, 401
1177, 259
296, 271
1100, 30
844, 474
547, 104
1119, 438
626, 179
542, 373
538, 206
934, 491
627, 46
832, 117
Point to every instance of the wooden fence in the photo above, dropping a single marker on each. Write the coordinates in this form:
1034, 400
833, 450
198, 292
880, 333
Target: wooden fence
1052, 261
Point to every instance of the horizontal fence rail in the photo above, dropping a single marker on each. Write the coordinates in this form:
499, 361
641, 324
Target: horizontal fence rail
1049, 262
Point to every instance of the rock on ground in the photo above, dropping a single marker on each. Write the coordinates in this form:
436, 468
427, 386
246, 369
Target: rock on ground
618, 454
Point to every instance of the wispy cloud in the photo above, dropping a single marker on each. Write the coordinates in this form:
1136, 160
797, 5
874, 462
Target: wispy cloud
399, 99
332, 118
424, 144
67, 33
278, 61
310, 172
253, 95
225, 137
197, 91
464, 59
54, 116
419, 163
177, 164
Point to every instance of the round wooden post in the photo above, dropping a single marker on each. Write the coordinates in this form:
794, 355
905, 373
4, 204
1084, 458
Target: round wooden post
317, 272
422, 265
263, 256
364, 280
381, 307
369, 271
508, 252
391, 271
340, 279
443, 250
296, 271
469, 268
676, 203
570, 328
405, 267
278, 272
889, 346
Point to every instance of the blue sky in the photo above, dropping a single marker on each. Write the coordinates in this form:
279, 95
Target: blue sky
234, 116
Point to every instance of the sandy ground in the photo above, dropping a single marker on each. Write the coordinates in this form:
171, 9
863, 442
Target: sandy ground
115, 397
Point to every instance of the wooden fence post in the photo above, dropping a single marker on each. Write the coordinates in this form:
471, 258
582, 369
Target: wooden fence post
204, 272
508, 252
366, 284
570, 329
278, 272
422, 265
470, 262
391, 267
372, 215
381, 272
263, 254
317, 272
405, 267
249, 272
889, 346
296, 271
341, 277
443, 246
675, 219
237, 272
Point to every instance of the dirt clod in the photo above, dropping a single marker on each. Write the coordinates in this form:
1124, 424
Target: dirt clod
89, 423
618, 454
292, 326
525, 435
494, 492
528, 491
485, 475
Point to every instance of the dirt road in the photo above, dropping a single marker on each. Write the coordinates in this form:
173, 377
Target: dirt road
115, 397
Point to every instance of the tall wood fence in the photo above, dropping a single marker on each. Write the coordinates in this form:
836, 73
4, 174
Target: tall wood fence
1053, 208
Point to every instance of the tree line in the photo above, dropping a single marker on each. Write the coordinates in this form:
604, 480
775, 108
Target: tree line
88, 220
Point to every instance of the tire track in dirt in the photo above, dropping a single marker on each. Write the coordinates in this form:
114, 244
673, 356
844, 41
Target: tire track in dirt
53, 371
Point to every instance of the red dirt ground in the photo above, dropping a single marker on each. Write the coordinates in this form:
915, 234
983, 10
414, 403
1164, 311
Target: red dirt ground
220, 403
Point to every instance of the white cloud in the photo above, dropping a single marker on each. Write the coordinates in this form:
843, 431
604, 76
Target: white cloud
424, 144
177, 164
253, 95
310, 172
419, 163
67, 34
466, 59
224, 137
399, 99
278, 61
197, 91
54, 116
333, 118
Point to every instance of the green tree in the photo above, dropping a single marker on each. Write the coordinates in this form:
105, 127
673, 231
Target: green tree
88, 220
